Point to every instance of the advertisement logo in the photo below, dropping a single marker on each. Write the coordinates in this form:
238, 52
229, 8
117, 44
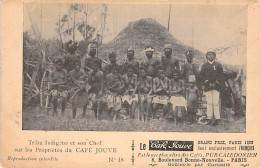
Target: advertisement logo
165, 145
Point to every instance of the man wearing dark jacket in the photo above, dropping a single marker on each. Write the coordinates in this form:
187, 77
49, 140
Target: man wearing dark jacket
212, 77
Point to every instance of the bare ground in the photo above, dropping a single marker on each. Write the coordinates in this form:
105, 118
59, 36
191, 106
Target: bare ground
36, 118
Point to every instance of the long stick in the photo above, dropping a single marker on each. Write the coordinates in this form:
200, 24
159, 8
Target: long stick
139, 106
169, 18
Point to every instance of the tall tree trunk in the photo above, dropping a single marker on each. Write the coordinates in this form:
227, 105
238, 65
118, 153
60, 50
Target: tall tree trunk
62, 47
86, 19
74, 25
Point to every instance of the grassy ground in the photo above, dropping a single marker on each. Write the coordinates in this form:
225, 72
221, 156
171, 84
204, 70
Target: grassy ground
35, 118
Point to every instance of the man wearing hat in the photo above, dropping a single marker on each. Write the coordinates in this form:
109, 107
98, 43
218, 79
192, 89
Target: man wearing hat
130, 61
169, 63
92, 55
212, 77
58, 82
151, 63
190, 74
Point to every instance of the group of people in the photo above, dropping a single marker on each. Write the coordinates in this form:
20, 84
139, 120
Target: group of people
146, 90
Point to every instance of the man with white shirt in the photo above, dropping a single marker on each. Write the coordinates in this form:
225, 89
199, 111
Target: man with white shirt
212, 77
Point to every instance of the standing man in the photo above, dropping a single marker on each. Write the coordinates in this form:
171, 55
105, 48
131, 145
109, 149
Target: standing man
58, 82
131, 62
190, 75
92, 55
151, 63
71, 56
112, 58
130, 97
170, 64
212, 77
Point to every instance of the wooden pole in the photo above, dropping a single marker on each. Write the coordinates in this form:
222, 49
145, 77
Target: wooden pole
132, 32
169, 18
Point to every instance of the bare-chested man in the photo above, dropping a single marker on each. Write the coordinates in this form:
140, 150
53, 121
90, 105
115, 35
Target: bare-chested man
151, 63
115, 90
79, 93
144, 90
160, 91
131, 62
113, 63
71, 56
177, 102
96, 81
58, 82
130, 98
87, 62
190, 74
170, 64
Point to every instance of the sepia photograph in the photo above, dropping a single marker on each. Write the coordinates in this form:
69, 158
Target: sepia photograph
134, 67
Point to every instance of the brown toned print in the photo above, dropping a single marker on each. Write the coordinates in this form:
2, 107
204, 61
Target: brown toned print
130, 83
54, 93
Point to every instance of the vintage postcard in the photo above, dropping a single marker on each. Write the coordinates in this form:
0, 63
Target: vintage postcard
130, 83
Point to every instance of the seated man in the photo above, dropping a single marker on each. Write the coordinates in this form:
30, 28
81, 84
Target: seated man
160, 90
115, 88
130, 97
177, 102
79, 94
144, 90
78, 77
58, 82
96, 82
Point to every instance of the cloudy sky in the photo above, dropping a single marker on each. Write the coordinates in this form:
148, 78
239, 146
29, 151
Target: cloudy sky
213, 26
